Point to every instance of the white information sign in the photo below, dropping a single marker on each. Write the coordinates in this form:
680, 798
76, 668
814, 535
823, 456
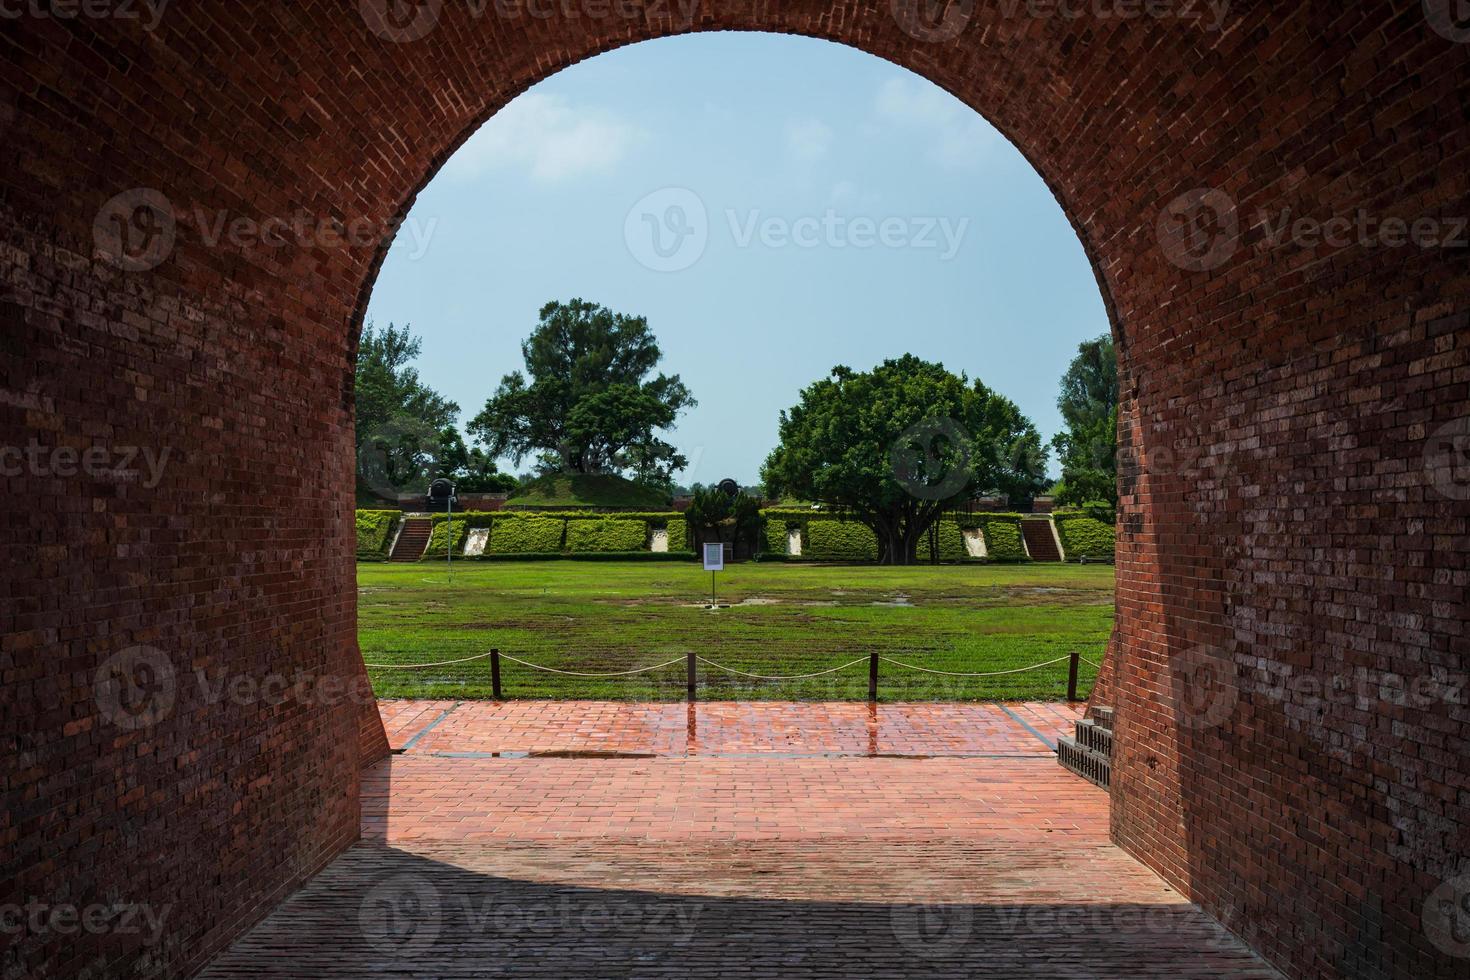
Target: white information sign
714, 557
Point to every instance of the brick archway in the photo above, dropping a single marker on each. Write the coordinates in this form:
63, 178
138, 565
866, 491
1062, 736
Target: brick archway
1289, 503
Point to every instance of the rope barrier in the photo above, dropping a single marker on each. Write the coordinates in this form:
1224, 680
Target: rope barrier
993, 673
574, 673
446, 663
782, 677
730, 670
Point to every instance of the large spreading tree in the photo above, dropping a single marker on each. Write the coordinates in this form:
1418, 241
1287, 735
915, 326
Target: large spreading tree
1088, 447
588, 400
894, 447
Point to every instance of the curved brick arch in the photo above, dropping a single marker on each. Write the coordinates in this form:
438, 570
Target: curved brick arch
1284, 508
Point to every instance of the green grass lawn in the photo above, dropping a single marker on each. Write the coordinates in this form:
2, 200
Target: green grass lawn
786, 619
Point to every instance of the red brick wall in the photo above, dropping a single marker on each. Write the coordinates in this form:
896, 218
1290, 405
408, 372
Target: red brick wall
1277, 515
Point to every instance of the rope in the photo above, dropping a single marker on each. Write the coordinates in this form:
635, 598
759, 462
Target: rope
446, 663
993, 673
1090, 663
783, 677
575, 673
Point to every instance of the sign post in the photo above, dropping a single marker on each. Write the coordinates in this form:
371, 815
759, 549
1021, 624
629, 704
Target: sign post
714, 561
443, 490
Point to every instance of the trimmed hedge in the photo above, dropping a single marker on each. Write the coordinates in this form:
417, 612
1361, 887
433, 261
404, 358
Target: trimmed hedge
607, 535
592, 556
833, 540
375, 533
1084, 536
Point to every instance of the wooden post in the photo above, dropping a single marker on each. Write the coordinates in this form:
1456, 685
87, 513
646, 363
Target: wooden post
689, 671
1072, 677
873, 676
495, 673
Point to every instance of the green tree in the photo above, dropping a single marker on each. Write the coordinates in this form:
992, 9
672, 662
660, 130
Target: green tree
894, 447
471, 468
1088, 447
399, 418
586, 402
714, 515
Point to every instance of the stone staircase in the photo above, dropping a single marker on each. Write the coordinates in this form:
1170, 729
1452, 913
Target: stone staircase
1089, 753
413, 540
1041, 545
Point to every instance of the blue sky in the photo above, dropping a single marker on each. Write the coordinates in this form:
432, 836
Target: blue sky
813, 205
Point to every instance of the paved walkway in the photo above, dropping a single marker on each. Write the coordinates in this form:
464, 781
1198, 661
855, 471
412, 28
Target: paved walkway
594, 839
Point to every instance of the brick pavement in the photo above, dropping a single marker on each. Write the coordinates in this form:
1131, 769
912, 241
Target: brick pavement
771, 844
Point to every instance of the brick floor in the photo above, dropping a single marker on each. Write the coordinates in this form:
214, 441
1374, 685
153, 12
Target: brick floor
776, 841
726, 729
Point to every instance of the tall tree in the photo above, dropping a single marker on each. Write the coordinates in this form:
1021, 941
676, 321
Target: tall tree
586, 402
894, 447
1088, 447
399, 418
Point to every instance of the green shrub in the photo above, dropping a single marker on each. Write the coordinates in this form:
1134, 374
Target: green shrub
375, 533
1084, 536
592, 556
678, 528
606, 535
516, 534
832, 540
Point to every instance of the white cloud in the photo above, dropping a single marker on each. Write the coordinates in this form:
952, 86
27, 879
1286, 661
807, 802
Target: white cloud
549, 138
808, 140
959, 137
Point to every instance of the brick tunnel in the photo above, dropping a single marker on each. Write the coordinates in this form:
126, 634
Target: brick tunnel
1290, 649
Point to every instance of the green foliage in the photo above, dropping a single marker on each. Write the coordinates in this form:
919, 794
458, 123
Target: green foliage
1088, 447
1084, 536
375, 533
584, 491
678, 528
589, 405
834, 540
610, 556
400, 420
606, 534
526, 534
895, 446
